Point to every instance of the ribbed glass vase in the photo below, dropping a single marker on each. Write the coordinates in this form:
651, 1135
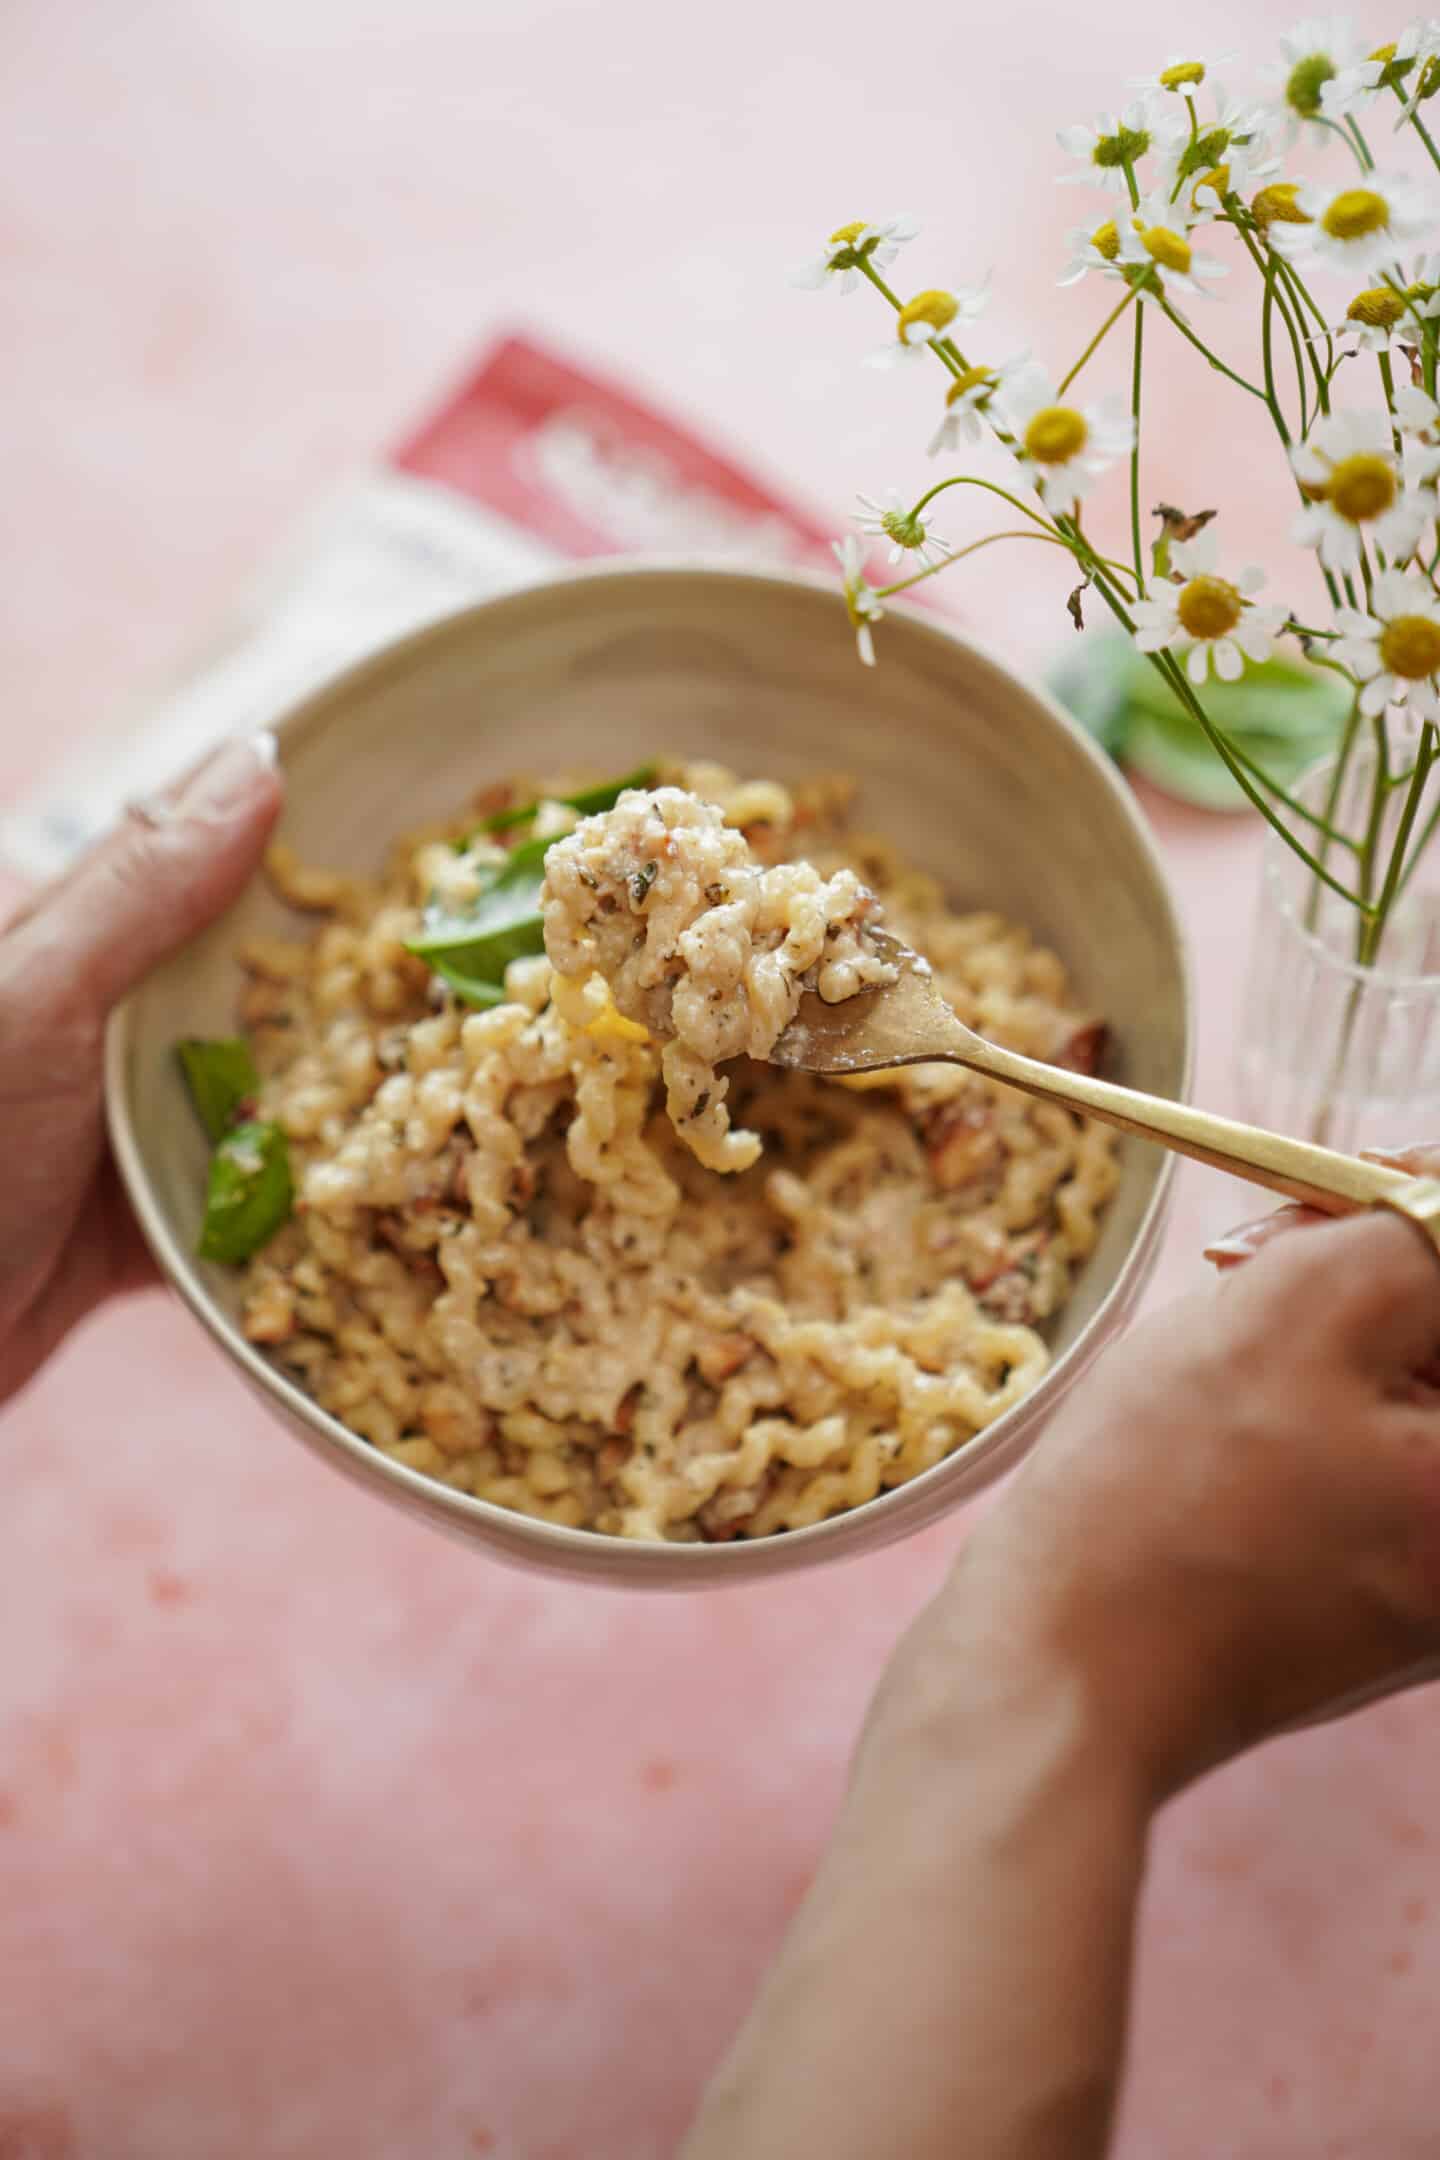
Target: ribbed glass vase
1331, 1049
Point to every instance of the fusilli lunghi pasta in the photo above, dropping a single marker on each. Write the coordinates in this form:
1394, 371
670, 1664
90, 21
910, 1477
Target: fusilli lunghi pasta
507, 1268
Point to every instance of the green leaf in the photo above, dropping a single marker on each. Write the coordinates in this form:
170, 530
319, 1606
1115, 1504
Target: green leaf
588, 802
468, 987
250, 1194
471, 947
220, 1076
1283, 714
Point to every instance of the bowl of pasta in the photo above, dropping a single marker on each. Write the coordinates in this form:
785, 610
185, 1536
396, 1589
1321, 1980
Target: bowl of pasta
458, 1133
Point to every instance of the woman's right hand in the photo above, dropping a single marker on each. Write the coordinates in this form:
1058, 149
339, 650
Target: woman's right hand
1234, 1526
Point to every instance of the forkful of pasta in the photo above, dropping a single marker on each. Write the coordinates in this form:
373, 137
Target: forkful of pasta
907, 1022
718, 956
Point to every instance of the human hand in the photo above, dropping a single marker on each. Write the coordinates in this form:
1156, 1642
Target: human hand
67, 1238
1235, 1526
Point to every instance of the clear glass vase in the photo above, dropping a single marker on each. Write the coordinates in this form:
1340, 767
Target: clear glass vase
1331, 1049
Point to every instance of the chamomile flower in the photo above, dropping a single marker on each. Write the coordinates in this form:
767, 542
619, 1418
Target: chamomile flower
1376, 319
1356, 87
1423, 80
1230, 154
1178, 76
1063, 449
1210, 620
1278, 204
906, 530
1417, 412
967, 403
1394, 648
849, 246
1097, 250
862, 604
1419, 419
933, 314
1348, 470
1357, 229
1108, 148
1423, 290
1157, 240
1312, 54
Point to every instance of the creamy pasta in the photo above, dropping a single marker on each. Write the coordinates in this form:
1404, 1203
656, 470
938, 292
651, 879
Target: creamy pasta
529, 1261
707, 948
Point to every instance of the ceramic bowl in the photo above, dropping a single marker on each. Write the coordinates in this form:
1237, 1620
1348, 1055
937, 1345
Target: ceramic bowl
977, 772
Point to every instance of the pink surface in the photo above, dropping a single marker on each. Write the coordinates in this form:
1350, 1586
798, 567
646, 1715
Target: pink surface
319, 1836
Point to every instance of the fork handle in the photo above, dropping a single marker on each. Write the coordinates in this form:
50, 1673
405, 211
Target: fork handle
1320, 1177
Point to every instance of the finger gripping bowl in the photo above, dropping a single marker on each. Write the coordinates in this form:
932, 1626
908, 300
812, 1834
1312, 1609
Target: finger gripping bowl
978, 775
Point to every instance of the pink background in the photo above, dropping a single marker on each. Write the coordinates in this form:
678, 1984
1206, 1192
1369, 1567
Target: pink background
317, 1835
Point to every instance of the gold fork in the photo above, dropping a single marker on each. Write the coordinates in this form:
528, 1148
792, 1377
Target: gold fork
908, 1023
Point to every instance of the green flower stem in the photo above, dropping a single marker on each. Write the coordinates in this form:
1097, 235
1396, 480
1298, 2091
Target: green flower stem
1235, 760
1267, 265
1111, 319
1215, 362
1304, 300
990, 487
1387, 377
887, 592
1427, 138
1373, 932
1359, 144
1271, 264
867, 269
1368, 846
1427, 834
1332, 798
1135, 541
1241, 769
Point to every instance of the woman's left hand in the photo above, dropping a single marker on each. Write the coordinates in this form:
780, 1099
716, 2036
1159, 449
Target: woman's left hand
67, 1238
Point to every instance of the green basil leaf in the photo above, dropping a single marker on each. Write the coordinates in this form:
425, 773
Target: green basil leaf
469, 988
588, 802
471, 947
220, 1076
250, 1193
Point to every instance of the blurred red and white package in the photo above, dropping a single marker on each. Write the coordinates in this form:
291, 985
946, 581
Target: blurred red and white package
531, 464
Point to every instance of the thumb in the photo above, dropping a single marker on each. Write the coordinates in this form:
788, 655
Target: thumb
170, 868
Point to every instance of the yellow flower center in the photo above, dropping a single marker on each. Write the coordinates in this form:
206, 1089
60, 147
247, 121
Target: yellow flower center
971, 379
1106, 240
1383, 52
1410, 646
1356, 213
1217, 178
1379, 307
844, 234
1362, 487
1056, 434
1209, 607
935, 308
1170, 249
1183, 75
1278, 205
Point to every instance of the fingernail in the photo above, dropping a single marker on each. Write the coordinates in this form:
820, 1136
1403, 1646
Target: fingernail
228, 775
1398, 1158
1224, 1251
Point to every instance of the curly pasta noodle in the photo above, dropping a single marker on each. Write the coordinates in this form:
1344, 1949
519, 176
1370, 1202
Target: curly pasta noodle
509, 1271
